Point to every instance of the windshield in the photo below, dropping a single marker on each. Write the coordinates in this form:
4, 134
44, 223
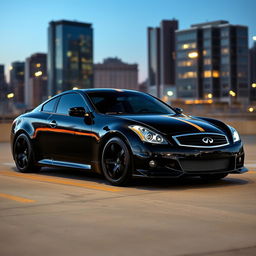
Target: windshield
109, 102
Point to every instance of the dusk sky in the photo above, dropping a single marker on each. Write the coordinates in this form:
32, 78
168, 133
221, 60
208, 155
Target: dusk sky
119, 26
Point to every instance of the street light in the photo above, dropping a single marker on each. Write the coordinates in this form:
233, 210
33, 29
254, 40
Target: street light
209, 95
170, 93
253, 85
251, 109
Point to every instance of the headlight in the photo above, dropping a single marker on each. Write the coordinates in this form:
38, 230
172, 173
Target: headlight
147, 135
235, 134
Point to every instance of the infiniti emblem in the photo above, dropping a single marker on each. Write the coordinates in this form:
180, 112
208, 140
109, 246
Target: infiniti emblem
207, 140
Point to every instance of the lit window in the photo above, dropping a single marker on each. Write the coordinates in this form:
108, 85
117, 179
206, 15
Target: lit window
38, 65
188, 63
232, 93
189, 74
192, 55
215, 73
188, 46
38, 73
224, 51
207, 73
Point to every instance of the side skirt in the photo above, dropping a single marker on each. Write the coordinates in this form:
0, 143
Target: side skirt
49, 162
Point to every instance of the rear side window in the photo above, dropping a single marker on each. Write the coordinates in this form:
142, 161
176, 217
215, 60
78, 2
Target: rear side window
50, 105
68, 101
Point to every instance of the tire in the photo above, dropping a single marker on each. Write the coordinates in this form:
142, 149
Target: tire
116, 162
213, 177
24, 155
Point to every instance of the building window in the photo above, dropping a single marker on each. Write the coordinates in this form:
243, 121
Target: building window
224, 32
224, 41
188, 63
207, 61
207, 43
185, 46
186, 36
189, 74
225, 73
211, 73
224, 50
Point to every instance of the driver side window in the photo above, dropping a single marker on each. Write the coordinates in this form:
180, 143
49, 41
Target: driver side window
68, 101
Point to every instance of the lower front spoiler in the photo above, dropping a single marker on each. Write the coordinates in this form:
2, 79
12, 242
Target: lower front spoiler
171, 173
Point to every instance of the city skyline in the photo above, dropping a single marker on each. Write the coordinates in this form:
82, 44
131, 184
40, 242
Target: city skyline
116, 24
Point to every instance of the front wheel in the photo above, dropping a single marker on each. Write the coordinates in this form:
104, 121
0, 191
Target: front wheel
116, 162
213, 177
24, 155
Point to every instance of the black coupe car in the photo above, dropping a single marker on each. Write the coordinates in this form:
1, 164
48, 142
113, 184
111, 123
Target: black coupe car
123, 134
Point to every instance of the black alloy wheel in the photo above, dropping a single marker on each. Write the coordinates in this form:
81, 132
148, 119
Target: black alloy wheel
116, 162
23, 154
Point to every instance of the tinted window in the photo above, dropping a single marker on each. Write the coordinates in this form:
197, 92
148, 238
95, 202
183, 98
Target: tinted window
49, 106
127, 103
68, 101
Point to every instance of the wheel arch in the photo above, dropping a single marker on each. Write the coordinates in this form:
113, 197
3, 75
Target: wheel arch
104, 140
16, 135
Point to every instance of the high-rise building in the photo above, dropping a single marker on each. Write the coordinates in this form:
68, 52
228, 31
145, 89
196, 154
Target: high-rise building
113, 73
35, 79
161, 58
2, 76
17, 77
252, 84
212, 62
70, 56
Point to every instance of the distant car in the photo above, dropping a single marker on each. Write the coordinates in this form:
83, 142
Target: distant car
124, 134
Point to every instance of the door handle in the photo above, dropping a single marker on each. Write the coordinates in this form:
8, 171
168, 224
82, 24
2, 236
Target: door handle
53, 123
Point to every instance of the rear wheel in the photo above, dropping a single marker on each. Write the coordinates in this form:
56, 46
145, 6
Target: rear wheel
23, 154
116, 162
213, 177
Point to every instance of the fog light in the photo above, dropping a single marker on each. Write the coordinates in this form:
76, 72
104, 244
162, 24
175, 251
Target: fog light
152, 163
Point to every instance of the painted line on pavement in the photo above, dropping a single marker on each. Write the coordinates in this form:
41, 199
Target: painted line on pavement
16, 198
59, 181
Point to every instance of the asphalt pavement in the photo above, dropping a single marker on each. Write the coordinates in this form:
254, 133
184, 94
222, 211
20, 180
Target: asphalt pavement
72, 212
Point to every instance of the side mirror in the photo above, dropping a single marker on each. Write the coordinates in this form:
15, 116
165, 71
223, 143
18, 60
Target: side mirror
77, 111
179, 110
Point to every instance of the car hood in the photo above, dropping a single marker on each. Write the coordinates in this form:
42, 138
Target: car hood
174, 124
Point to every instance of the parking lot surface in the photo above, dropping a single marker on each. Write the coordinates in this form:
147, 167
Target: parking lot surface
73, 212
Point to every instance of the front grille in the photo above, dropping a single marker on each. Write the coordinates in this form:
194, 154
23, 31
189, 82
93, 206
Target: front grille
200, 165
202, 140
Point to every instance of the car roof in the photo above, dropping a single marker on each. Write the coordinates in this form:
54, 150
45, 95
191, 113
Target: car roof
96, 90
106, 90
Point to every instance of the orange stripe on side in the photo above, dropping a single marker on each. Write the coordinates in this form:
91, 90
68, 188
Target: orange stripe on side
64, 131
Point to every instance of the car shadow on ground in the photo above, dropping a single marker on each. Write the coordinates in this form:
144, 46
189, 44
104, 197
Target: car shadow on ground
146, 183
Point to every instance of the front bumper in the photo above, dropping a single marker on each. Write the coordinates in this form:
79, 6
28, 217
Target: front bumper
174, 162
